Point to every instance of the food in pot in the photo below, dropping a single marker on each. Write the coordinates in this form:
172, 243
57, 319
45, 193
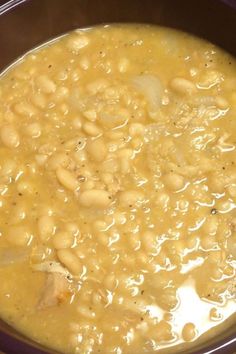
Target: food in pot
118, 191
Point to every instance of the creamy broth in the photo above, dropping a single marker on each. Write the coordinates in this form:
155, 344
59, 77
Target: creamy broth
118, 190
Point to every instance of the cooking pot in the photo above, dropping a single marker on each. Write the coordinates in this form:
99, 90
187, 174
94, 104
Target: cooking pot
24, 24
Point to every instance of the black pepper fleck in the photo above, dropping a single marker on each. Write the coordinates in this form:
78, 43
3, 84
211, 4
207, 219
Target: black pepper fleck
214, 211
81, 178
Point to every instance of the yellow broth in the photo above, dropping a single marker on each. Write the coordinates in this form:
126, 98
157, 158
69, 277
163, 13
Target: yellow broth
117, 191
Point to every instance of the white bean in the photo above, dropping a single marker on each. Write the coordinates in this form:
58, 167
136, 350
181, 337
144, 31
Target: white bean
134, 241
97, 86
119, 218
45, 84
174, 181
232, 190
39, 100
67, 179
41, 159
123, 65
97, 149
136, 129
149, 241
25, 109
46, 227
77, 42
183, 86
72, 228
91, 129
70, 260
33, 130
8, 168
125, 160
77, 123
189, 332
162, 199
91, 115
25, 187
211, 225
95, 198
110, 282
63, 239
84, 63
61, 93
221, 102
19, 212
9, 136
110, 165
57, 160
75, 144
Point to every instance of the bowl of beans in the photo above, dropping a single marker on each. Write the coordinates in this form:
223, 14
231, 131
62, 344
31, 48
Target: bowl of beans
117, 177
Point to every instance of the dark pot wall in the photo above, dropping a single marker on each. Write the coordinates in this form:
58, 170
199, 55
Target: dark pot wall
35, 21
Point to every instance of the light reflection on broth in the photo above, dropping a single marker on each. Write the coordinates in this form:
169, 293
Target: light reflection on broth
117, 191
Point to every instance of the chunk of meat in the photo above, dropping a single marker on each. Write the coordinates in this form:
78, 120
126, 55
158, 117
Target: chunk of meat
56, 290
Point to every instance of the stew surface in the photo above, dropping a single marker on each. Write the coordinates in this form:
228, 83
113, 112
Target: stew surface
118, 191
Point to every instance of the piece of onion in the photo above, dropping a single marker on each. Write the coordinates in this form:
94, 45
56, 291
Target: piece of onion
150, 86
